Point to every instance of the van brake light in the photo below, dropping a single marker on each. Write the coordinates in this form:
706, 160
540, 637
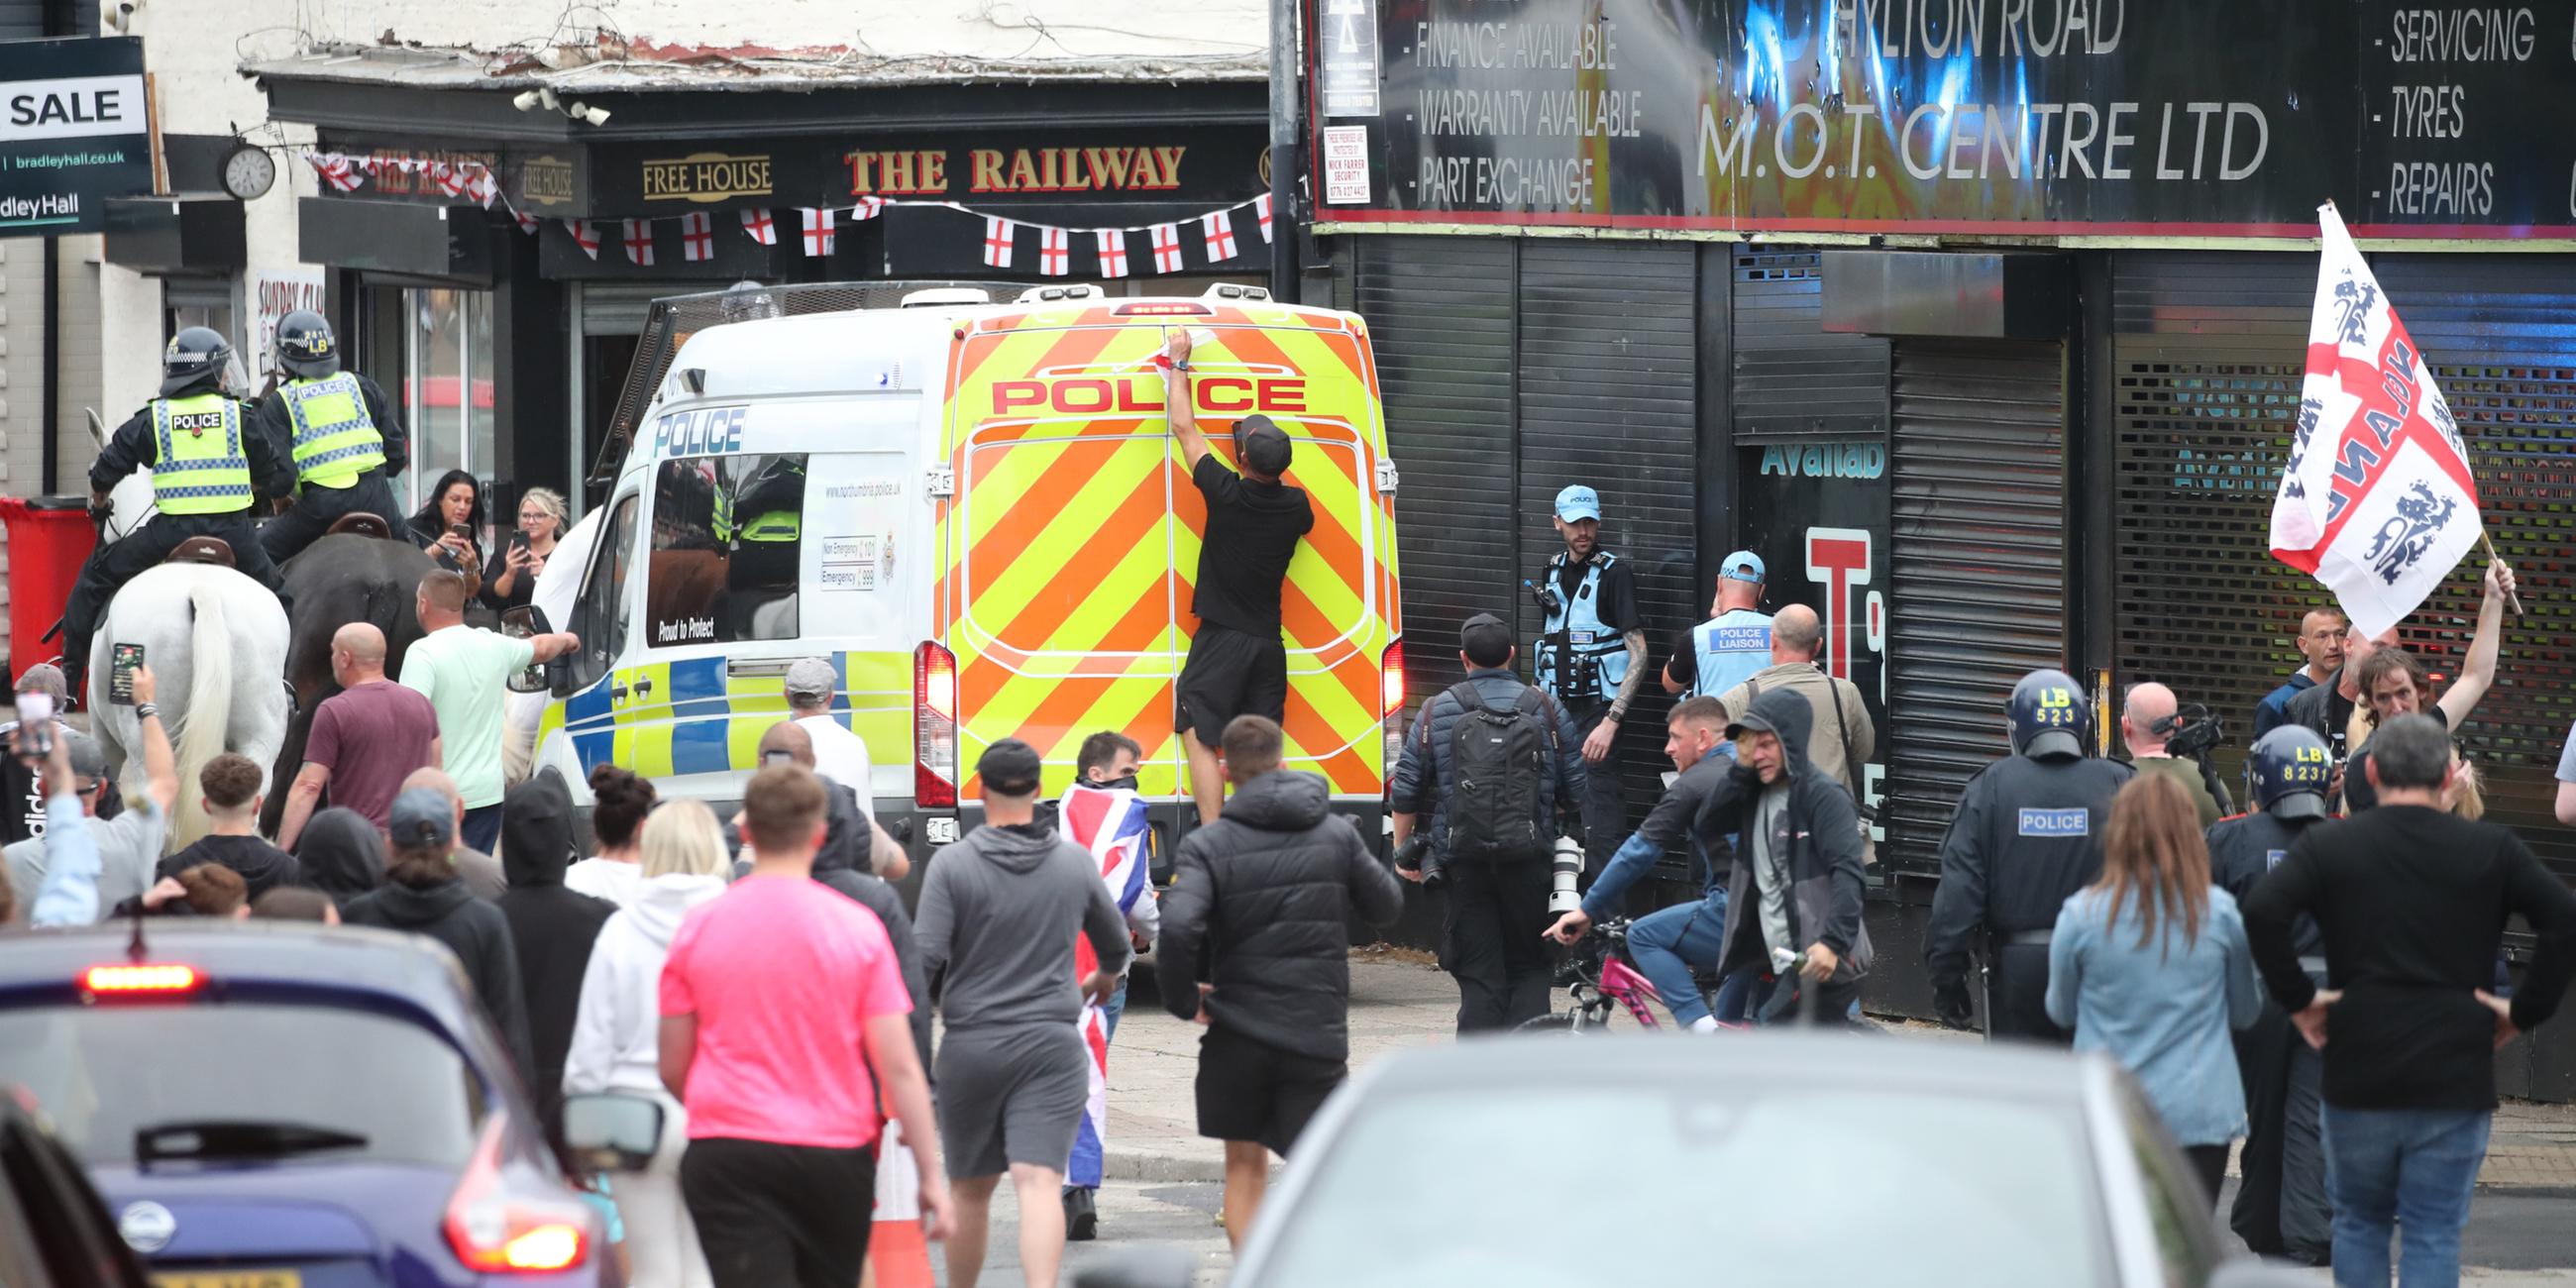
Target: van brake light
140, 979
1391, 679
934, 726
1163, 309
494, 1231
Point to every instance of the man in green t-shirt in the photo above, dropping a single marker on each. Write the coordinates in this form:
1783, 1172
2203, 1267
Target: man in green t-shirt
463, 671
2151, 708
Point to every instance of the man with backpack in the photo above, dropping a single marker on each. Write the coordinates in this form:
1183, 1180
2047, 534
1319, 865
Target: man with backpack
1493, 762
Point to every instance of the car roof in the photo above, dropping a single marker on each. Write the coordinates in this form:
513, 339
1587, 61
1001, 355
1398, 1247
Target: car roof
348, 959
1808, 1061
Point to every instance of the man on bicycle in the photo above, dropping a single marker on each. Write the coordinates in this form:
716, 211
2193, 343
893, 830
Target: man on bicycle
1666, 945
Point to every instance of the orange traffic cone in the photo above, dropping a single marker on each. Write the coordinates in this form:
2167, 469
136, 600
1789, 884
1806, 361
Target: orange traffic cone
898, 1257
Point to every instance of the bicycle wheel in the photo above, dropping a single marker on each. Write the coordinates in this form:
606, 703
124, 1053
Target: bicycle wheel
1561, 1022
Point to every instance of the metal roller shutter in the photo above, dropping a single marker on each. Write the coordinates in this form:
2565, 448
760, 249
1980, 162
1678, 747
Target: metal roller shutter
23, 19
1440, 313
2209, 355
1979, 567
1608, 397
1792, 379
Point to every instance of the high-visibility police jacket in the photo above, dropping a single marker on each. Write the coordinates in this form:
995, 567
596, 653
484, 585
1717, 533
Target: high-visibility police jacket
1728, 648
1575, 628
334, 440
199, 465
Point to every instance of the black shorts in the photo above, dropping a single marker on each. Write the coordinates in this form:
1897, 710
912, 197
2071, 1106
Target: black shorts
1230, 674
1251, 1090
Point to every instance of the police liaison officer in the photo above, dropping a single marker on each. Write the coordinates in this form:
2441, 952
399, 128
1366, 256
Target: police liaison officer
2281, 1209
1591, 656
2028, 833
338, 432
1733, 643
205, 459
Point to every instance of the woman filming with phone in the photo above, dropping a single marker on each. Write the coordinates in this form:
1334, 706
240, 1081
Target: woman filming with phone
512, 575
447, 524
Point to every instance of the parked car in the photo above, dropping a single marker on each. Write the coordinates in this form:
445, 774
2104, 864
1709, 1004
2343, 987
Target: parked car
54, 1231
287, 1105
1778, 1158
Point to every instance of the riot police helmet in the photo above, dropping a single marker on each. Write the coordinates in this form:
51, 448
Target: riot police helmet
2050, 718
200, 359
305, 345
2290, 768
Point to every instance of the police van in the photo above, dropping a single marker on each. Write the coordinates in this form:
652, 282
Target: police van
975, 512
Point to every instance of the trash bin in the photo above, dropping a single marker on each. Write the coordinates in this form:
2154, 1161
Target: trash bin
50, 537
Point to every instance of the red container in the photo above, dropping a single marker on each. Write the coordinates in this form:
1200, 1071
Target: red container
50, 537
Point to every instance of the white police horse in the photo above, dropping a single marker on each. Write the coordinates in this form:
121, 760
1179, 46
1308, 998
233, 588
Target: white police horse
216, 642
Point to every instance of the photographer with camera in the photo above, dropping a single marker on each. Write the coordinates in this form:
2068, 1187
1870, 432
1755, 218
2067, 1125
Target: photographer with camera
1491, 761
1590, 656
2151, 725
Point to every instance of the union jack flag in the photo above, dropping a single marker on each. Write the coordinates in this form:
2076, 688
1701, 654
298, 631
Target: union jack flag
1112, 826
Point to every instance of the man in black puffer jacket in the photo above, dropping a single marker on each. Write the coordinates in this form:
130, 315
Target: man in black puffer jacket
1256, 945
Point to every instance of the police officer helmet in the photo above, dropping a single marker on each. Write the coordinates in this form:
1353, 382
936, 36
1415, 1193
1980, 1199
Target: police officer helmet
2290, 768
2050, 717
201, 356
305, 345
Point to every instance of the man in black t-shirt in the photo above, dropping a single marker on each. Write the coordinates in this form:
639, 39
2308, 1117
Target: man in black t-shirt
1237, 664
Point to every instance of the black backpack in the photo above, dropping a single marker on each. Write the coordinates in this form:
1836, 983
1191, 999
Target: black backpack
1501, 763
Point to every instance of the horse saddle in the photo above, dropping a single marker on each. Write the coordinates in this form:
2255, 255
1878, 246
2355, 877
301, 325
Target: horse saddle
213, 551
359, 523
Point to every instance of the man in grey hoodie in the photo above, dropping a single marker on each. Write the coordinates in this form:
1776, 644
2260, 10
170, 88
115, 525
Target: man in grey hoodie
999, 912
1794, 907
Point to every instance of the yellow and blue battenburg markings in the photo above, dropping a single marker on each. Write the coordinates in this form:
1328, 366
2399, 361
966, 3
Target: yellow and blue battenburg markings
689, 717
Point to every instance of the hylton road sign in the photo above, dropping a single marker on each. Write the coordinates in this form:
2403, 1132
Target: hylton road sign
73, 132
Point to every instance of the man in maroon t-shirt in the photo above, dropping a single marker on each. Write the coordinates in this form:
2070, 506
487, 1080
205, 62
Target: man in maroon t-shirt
366, 739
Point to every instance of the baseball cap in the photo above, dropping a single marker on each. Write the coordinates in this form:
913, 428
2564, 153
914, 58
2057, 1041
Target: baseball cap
45, 678
1262, 446
89, 760
1485, 639
811, 677
1743, 565
1576, 501
421, 817
1009, 768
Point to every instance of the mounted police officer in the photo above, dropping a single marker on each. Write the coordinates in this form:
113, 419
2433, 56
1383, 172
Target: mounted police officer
2028, 833
206, 460
2281, 1209
338, 431
1591, 656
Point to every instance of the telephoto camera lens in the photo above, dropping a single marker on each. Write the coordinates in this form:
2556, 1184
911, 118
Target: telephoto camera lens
1564, 870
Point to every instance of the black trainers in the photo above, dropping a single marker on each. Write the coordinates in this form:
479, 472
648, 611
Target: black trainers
1081, 1215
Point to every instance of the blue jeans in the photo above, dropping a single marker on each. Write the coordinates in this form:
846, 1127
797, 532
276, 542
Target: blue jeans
1112, 1009
1668, 943
2413, 1169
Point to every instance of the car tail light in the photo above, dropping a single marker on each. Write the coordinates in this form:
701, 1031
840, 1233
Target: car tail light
1166, 309
492, 1230
140, 979
934, 726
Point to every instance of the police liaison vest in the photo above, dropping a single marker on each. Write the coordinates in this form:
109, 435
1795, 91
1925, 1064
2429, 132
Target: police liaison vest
336, 441
199, 466
1729, 648
1578, 621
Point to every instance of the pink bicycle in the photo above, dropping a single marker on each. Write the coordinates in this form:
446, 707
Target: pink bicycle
1599, 982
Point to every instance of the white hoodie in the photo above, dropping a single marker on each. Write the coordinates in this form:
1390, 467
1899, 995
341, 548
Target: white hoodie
616, 1035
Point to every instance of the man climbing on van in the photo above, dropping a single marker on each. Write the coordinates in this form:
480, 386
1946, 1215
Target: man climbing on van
1237, 664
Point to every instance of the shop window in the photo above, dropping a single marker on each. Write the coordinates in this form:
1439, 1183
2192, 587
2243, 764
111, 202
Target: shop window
447, 384
727, 548
207, 303
600, 618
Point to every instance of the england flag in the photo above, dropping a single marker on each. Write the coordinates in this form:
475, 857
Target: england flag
2376, 500
1112, 826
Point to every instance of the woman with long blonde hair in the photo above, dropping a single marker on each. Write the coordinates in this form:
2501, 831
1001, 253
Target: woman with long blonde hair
2149, 964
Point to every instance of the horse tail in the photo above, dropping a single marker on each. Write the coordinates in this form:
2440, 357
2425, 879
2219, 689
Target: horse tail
207, 723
